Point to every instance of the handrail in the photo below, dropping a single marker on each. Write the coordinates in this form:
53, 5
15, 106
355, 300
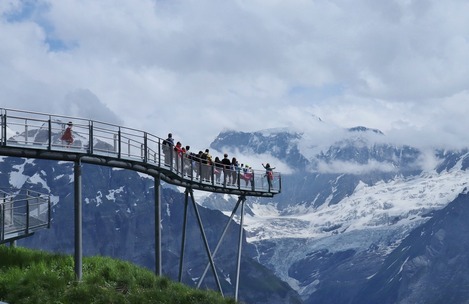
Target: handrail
41, 131
23, 212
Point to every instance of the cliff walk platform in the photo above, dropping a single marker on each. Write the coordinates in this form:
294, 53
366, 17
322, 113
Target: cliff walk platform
38, 135
28, 134
22, 212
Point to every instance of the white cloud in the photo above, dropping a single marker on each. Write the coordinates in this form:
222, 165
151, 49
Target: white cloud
83, 103
197, 67
355, 168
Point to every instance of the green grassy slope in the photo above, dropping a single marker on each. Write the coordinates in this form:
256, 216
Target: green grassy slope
29, 276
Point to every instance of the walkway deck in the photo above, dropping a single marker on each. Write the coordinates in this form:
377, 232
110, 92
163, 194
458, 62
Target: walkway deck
37, 135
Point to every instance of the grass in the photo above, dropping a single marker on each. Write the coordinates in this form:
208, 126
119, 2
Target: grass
30, 276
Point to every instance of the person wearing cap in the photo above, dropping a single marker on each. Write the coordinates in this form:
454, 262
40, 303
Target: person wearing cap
226, 169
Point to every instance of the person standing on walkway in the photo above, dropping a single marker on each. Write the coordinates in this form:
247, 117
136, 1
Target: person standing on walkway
226, 169
206, 165
168, 144
234, 171
269, 174
218, 168
67, 136
178, 156
187, 162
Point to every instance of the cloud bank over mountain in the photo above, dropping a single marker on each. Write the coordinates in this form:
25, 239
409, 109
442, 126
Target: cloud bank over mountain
194, 68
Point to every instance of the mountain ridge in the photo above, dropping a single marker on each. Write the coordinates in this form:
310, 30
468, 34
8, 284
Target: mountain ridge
343, 211
374, 197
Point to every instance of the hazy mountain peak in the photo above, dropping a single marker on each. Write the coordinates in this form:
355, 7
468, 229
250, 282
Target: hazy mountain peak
365, 129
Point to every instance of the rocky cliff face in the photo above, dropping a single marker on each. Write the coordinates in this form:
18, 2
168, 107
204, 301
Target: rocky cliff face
429, 266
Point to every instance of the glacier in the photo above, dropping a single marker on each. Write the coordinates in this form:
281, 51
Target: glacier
401, 201
348, 200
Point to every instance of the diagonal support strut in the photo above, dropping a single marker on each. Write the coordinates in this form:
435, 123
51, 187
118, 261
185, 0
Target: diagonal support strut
241, 199
204, 237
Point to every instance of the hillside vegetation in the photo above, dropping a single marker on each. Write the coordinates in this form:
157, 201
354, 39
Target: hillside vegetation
29, 276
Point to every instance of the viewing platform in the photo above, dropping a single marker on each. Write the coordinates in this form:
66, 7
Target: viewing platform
38, 135
22, 212
43, 136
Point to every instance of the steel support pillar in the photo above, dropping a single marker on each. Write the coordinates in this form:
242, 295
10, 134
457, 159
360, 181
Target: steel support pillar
158, 262
240, 247
78, 222
184, 227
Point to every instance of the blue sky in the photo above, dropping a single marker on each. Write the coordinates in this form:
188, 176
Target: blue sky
197, 67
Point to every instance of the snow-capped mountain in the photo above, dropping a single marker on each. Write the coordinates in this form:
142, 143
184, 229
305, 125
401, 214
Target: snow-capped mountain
345, 208
357, 218
278, 143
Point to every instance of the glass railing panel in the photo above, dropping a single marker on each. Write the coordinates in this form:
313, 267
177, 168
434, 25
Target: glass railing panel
43, 131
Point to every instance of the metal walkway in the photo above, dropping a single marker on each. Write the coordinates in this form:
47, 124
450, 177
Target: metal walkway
37, 135
22, 213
